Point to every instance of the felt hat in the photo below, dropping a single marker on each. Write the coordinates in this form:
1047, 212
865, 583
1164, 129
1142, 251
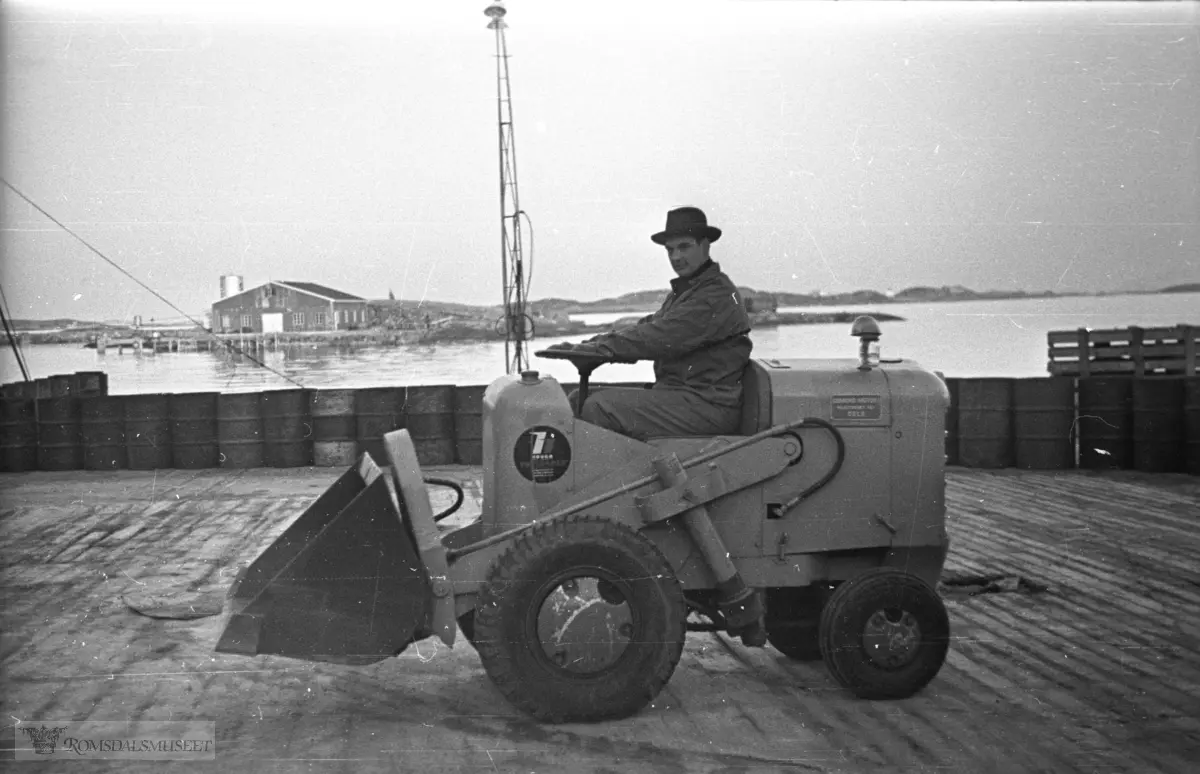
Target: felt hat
687, 221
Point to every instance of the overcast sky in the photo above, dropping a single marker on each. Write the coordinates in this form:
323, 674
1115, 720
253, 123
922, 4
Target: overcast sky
839, 145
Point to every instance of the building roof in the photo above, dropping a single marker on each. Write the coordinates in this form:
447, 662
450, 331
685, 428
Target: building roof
319, 290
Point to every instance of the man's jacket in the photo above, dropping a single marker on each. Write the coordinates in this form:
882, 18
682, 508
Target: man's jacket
699, 340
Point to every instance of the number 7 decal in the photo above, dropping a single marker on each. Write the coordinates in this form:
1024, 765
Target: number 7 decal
543, 442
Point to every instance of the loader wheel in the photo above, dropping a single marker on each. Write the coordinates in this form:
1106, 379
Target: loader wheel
793, 620
581, 619
466, 624
884, 634
798, 640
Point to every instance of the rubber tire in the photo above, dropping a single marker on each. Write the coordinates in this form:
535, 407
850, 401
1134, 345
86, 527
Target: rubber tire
505, 620
796, 644
466, 624
789, 606
846, 615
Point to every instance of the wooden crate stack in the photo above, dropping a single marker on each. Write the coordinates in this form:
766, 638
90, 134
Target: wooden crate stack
1130, 351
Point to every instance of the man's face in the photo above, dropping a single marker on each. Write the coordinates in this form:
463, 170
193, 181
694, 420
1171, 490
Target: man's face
687, 254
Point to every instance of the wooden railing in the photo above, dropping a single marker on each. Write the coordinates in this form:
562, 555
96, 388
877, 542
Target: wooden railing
1124, 352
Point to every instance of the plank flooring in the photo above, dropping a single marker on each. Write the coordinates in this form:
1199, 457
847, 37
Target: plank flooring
1091, 665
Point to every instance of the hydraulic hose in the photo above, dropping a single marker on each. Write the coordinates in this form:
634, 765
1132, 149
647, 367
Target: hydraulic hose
837, 464
458, 491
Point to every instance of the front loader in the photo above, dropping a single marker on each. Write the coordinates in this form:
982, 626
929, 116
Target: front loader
819, 529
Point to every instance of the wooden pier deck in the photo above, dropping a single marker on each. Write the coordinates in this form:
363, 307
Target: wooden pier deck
1092, 664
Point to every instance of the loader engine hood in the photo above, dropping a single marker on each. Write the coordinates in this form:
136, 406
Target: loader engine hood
837, 391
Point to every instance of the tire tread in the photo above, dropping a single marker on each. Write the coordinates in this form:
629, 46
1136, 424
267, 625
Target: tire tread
504, 587
881, 581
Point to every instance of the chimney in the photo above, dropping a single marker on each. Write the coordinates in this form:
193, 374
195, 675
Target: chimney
231, 285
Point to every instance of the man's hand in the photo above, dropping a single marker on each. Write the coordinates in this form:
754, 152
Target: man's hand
588, 348
583, 348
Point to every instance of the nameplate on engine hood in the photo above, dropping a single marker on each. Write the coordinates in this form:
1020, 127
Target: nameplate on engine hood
857, 407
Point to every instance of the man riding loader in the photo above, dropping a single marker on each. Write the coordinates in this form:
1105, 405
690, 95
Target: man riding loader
819, 528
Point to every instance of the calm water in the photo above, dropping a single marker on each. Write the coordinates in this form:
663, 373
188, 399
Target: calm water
963, 339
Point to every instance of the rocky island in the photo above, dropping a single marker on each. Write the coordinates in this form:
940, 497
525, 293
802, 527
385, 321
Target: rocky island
395, 322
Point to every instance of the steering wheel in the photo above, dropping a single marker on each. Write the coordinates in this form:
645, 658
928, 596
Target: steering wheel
584, 362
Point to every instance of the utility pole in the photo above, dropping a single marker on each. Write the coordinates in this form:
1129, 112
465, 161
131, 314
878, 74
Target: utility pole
516, 322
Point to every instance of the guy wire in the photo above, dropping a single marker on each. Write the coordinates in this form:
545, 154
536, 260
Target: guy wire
156, 294
12, 336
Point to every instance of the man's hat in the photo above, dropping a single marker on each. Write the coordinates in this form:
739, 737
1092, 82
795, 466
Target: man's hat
687, 221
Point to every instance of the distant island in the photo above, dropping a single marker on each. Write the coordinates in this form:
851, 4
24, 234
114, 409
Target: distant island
402, 321
650, 299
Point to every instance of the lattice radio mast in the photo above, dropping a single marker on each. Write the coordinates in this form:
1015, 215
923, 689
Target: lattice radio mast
516, 322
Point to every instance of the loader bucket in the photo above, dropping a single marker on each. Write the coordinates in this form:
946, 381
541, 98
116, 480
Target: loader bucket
343, 584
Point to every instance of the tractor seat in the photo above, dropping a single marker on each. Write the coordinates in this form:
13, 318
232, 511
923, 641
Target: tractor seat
756, 400
756, 404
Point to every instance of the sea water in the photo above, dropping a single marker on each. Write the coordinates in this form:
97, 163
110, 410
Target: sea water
960, 339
